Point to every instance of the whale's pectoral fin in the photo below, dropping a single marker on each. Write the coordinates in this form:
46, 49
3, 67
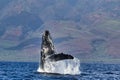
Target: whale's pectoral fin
61, 56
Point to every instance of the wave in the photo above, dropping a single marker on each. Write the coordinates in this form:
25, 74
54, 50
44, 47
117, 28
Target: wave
62, 67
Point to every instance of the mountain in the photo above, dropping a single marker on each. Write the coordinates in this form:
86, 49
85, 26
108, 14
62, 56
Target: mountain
84, 28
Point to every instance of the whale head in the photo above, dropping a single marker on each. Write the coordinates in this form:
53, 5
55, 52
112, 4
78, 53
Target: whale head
47, 44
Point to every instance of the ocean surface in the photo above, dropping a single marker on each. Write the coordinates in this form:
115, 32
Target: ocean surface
28, 71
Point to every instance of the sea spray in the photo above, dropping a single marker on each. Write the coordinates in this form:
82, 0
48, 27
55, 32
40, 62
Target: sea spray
62, 67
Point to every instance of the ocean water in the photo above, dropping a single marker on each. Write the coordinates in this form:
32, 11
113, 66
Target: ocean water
28, 71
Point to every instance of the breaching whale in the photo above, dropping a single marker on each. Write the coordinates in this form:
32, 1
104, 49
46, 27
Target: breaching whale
48, 51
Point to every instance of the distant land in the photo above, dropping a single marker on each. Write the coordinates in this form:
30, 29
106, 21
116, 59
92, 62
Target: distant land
87, 29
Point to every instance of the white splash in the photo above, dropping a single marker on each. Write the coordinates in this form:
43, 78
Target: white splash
62, 67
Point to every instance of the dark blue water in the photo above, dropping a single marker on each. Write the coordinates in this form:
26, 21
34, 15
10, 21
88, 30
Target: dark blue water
28, 71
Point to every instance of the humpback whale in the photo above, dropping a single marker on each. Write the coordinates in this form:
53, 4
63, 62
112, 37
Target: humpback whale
48, 51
